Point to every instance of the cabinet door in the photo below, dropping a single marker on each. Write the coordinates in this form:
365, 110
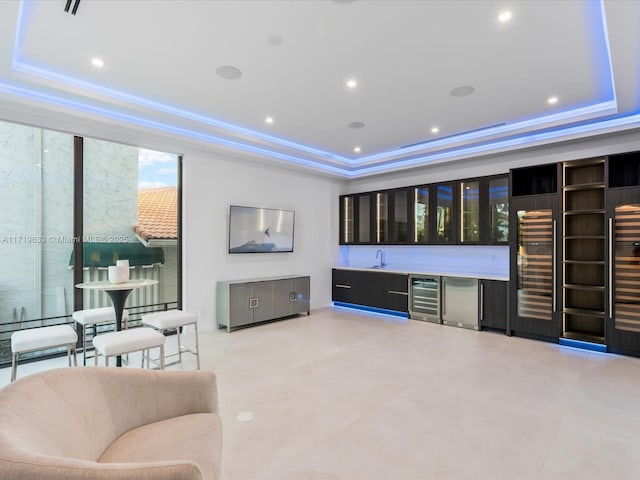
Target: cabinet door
470, 211
381, 226
445, 213
282, 301
301, 289
342, 286
400, 217
391, 291
347, 219
534, 273
493, 304
499, 210
265, 307
623, 299
420, 210
365, 218
240, 304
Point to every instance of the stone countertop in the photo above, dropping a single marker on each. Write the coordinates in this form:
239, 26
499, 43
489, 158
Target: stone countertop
405, 269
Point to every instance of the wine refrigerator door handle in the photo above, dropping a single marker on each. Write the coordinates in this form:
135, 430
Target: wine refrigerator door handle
481, 301
553, 269
611, 267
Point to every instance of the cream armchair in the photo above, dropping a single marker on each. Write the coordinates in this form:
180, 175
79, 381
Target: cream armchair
111, 423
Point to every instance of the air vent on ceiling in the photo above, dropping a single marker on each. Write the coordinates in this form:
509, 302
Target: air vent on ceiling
453, 135
76, 4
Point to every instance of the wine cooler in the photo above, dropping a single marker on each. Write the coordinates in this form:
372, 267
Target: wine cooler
424, 298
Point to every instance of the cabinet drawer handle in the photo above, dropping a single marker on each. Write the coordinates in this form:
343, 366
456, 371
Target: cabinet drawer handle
395, 292
339, 285
482, 301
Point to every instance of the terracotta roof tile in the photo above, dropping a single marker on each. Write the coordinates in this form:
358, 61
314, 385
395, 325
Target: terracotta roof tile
157, 213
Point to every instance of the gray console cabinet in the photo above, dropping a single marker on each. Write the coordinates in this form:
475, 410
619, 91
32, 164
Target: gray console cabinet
240, 303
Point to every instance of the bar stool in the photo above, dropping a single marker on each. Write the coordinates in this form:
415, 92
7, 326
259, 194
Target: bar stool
91, 318
42, 338
128, 341
175, 319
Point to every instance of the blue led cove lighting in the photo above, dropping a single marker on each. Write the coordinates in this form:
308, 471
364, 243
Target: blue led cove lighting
364, 308
606, 103
594, 347
59, 101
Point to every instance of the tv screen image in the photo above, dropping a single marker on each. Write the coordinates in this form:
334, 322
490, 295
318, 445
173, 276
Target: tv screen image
260, 230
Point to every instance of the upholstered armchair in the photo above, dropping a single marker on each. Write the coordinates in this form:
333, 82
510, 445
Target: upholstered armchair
111, 423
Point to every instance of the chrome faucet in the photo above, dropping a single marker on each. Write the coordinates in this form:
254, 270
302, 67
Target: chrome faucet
380, 253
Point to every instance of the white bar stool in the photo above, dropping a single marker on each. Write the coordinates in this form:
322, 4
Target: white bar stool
128, 341
174, 319
92, 317
42, 338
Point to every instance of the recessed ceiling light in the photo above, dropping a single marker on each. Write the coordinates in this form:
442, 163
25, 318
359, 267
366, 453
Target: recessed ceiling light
269, 120
352, 83
97, 62
246, 416
504, 16
228, 72
435, 130
552, 100
275, 40
357, 149
462, 91
356, 125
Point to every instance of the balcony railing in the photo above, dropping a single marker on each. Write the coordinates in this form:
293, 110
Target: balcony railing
6, 329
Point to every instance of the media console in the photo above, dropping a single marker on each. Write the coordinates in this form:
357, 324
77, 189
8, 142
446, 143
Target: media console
241, 303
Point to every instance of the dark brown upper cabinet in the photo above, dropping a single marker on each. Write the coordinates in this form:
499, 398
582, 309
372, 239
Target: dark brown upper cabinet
474, 211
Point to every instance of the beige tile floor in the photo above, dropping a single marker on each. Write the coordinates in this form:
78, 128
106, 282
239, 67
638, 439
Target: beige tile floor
344, 395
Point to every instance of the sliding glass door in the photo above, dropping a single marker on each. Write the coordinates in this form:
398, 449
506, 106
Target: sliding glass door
36, 239
59, 192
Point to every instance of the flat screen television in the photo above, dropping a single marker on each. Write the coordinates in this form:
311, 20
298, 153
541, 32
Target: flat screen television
260, 230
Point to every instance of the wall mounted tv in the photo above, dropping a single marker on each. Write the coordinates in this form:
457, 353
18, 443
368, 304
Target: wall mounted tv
260, 230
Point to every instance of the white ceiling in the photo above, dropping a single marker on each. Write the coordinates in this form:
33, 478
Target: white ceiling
296, 56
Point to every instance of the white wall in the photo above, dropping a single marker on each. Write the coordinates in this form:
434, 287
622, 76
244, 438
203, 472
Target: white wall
210, 185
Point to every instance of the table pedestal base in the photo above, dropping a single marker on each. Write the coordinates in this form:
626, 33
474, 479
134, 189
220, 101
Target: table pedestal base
119, 298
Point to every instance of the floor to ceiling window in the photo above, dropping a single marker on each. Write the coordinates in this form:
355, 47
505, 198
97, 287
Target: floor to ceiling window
121, 218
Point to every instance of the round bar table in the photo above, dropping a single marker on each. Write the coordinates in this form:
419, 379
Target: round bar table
118, 293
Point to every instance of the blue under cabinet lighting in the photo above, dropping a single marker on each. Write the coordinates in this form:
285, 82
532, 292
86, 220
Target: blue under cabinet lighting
365, 308
594, 347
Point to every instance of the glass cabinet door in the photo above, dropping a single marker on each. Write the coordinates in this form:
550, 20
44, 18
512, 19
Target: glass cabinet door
364, 219
499, 210
421, 215
400, 216
347, 226
470, 211
444, 213
382, 217
535, 264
